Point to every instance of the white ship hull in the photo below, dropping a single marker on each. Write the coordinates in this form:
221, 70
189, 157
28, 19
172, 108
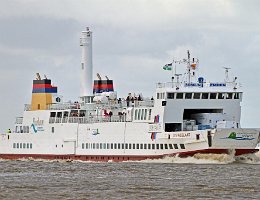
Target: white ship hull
122, 141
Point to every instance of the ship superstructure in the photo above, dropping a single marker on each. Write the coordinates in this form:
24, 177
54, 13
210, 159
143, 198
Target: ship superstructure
184, 117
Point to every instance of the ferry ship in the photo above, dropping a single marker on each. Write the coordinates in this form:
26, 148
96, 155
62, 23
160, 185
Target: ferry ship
185, 117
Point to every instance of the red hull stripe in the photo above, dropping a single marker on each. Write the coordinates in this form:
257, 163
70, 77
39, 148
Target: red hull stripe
117, 158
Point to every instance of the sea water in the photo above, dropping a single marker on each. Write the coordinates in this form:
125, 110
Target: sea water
198, 177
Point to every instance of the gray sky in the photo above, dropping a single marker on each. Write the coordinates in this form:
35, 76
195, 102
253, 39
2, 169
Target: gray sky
132, 40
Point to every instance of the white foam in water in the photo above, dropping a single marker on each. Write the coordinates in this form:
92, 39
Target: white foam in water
210, 159
196, 159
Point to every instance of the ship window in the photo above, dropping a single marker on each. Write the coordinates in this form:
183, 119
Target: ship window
170, 145
165, 146
104, 145
27, 145
83, 145
196, 96
149, 146
163, 95
21, 145
161, 146
229, 95
221, 95
53, 114
94, 145
111, 145
179, 96
14, 145
150, 113
137, 146
52, 129
115, 146
142, 114
86, 145
100, 146
188, 95
97, 145
141, 146
182, 146
134, 146
136, 114
236, 96
17, 145
205, 95
157, 146
123, 146
145, 114
30, 145
59, 114
139, 114
158, 95
213, 95
170, 95
118, 146
145, 146
126, 146
130, 146
175, 146
153, 146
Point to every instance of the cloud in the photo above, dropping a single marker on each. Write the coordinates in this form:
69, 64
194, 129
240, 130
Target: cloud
132, 40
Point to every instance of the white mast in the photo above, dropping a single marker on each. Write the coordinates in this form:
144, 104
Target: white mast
86, 79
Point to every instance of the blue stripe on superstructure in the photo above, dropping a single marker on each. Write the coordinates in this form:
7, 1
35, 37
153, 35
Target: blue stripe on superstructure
102, 90
45, 90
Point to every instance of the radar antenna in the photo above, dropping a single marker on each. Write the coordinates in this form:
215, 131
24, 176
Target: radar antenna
226, 73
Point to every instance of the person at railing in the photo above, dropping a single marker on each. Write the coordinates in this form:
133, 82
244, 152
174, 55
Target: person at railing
127, 100
140, 98
120, 114
110, 115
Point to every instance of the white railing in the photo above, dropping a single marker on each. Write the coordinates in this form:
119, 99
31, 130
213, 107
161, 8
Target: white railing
90, 119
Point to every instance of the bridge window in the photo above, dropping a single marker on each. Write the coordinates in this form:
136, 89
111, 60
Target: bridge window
136, 111
170, 95
213, 95
221, 95
165, 146
196, 96
170, 145
150, 114
182, 146
179, 96
175, 146
236, 96
188, 95
229, 95
205, 95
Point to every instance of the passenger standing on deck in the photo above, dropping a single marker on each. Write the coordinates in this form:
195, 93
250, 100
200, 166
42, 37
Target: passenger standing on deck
110, 115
